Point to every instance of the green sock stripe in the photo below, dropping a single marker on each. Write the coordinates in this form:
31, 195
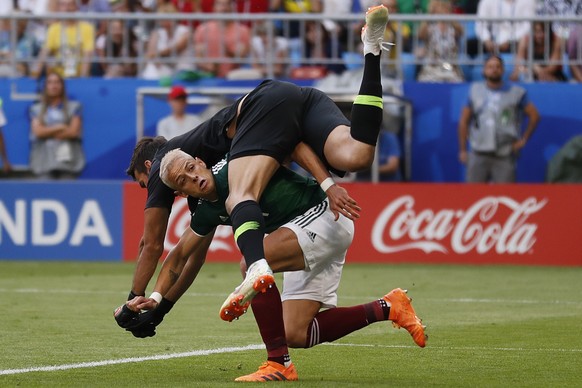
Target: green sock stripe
369, 100
249, 225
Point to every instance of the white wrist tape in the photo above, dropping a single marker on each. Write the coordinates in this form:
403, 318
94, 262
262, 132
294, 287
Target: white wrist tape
326, 184
156, 296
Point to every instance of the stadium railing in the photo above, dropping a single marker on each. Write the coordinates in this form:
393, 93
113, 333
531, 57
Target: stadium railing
349, 55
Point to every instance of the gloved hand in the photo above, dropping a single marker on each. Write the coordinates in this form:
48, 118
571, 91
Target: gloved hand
125, 317
145, 324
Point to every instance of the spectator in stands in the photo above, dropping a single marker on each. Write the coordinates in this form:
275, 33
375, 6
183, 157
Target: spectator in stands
268, 49
251, 6
393, 30
338, 30
178, 122
70, 43
571, 32
547, 60
6, 69
414, 6
169, 49
440, 50
6, 166
117, 43
575, 52
25, 50
319, 45
294, 30
56, 124
221, 45
95, 6
501, 37
467, 6
187, 7
491, 123
389, 154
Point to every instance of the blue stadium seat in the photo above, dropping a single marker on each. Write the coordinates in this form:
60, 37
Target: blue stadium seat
408, 66
353, 61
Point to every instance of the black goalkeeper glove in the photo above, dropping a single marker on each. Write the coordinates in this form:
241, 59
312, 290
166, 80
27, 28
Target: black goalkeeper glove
145, 325
124, 316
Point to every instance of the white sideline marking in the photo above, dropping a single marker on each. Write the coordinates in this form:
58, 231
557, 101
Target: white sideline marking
93, 364
207, 352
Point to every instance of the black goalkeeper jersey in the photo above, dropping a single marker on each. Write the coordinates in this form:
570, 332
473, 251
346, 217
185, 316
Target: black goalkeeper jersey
208, 141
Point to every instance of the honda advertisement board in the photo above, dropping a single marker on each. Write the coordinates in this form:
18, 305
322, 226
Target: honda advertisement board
412, 223
60, 221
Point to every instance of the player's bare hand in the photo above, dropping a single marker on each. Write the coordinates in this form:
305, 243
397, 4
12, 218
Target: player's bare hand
341, 203
134, 304
148, 304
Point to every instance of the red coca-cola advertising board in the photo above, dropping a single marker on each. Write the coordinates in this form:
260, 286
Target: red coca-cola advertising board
433, 223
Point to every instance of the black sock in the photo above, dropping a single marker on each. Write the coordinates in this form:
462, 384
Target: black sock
248, 226
367, 108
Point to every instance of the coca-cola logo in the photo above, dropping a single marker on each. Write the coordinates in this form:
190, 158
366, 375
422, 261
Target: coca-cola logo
179, 221
495, 223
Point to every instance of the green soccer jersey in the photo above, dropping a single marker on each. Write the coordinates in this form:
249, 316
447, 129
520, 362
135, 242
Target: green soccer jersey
286, 196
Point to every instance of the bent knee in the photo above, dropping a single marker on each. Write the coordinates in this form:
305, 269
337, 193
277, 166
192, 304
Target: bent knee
363, 162
296, 338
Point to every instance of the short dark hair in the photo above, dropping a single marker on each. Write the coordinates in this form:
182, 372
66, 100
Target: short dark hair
145, 149
494, 56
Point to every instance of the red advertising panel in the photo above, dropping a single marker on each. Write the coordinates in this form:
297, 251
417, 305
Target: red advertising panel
468, 224
428, 223
133, 204
223, 247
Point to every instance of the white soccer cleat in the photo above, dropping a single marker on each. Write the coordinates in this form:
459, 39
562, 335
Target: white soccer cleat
373, 31
258, 279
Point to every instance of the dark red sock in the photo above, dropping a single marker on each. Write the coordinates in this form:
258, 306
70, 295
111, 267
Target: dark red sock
332, 324
268, 313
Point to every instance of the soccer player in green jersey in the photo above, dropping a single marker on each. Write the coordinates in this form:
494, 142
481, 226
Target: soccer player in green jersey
305, 241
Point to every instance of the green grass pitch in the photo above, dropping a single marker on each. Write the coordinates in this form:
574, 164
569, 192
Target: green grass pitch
488, 326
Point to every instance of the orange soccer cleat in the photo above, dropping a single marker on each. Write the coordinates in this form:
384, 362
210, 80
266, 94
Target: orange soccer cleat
271, 371
259, 278
402, 315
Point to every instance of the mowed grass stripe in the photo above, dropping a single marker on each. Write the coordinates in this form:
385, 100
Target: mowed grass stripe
215, 295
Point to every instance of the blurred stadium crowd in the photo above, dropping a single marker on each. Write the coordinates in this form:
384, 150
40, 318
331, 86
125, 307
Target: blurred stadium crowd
436, 40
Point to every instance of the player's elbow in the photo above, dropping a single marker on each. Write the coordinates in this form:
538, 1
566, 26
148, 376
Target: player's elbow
153, 248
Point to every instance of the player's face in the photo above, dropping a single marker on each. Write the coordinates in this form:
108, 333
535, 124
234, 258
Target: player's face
190, 176
143, 177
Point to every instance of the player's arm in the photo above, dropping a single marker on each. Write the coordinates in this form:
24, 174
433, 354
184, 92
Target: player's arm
533, 115
177, 274
339, 200
151, 247
464, 121
182, 265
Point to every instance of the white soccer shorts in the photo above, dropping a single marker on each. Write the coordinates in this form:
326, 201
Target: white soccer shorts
324, 243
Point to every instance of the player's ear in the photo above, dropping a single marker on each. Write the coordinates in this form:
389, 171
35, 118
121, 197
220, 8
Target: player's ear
180, 194
148, 164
